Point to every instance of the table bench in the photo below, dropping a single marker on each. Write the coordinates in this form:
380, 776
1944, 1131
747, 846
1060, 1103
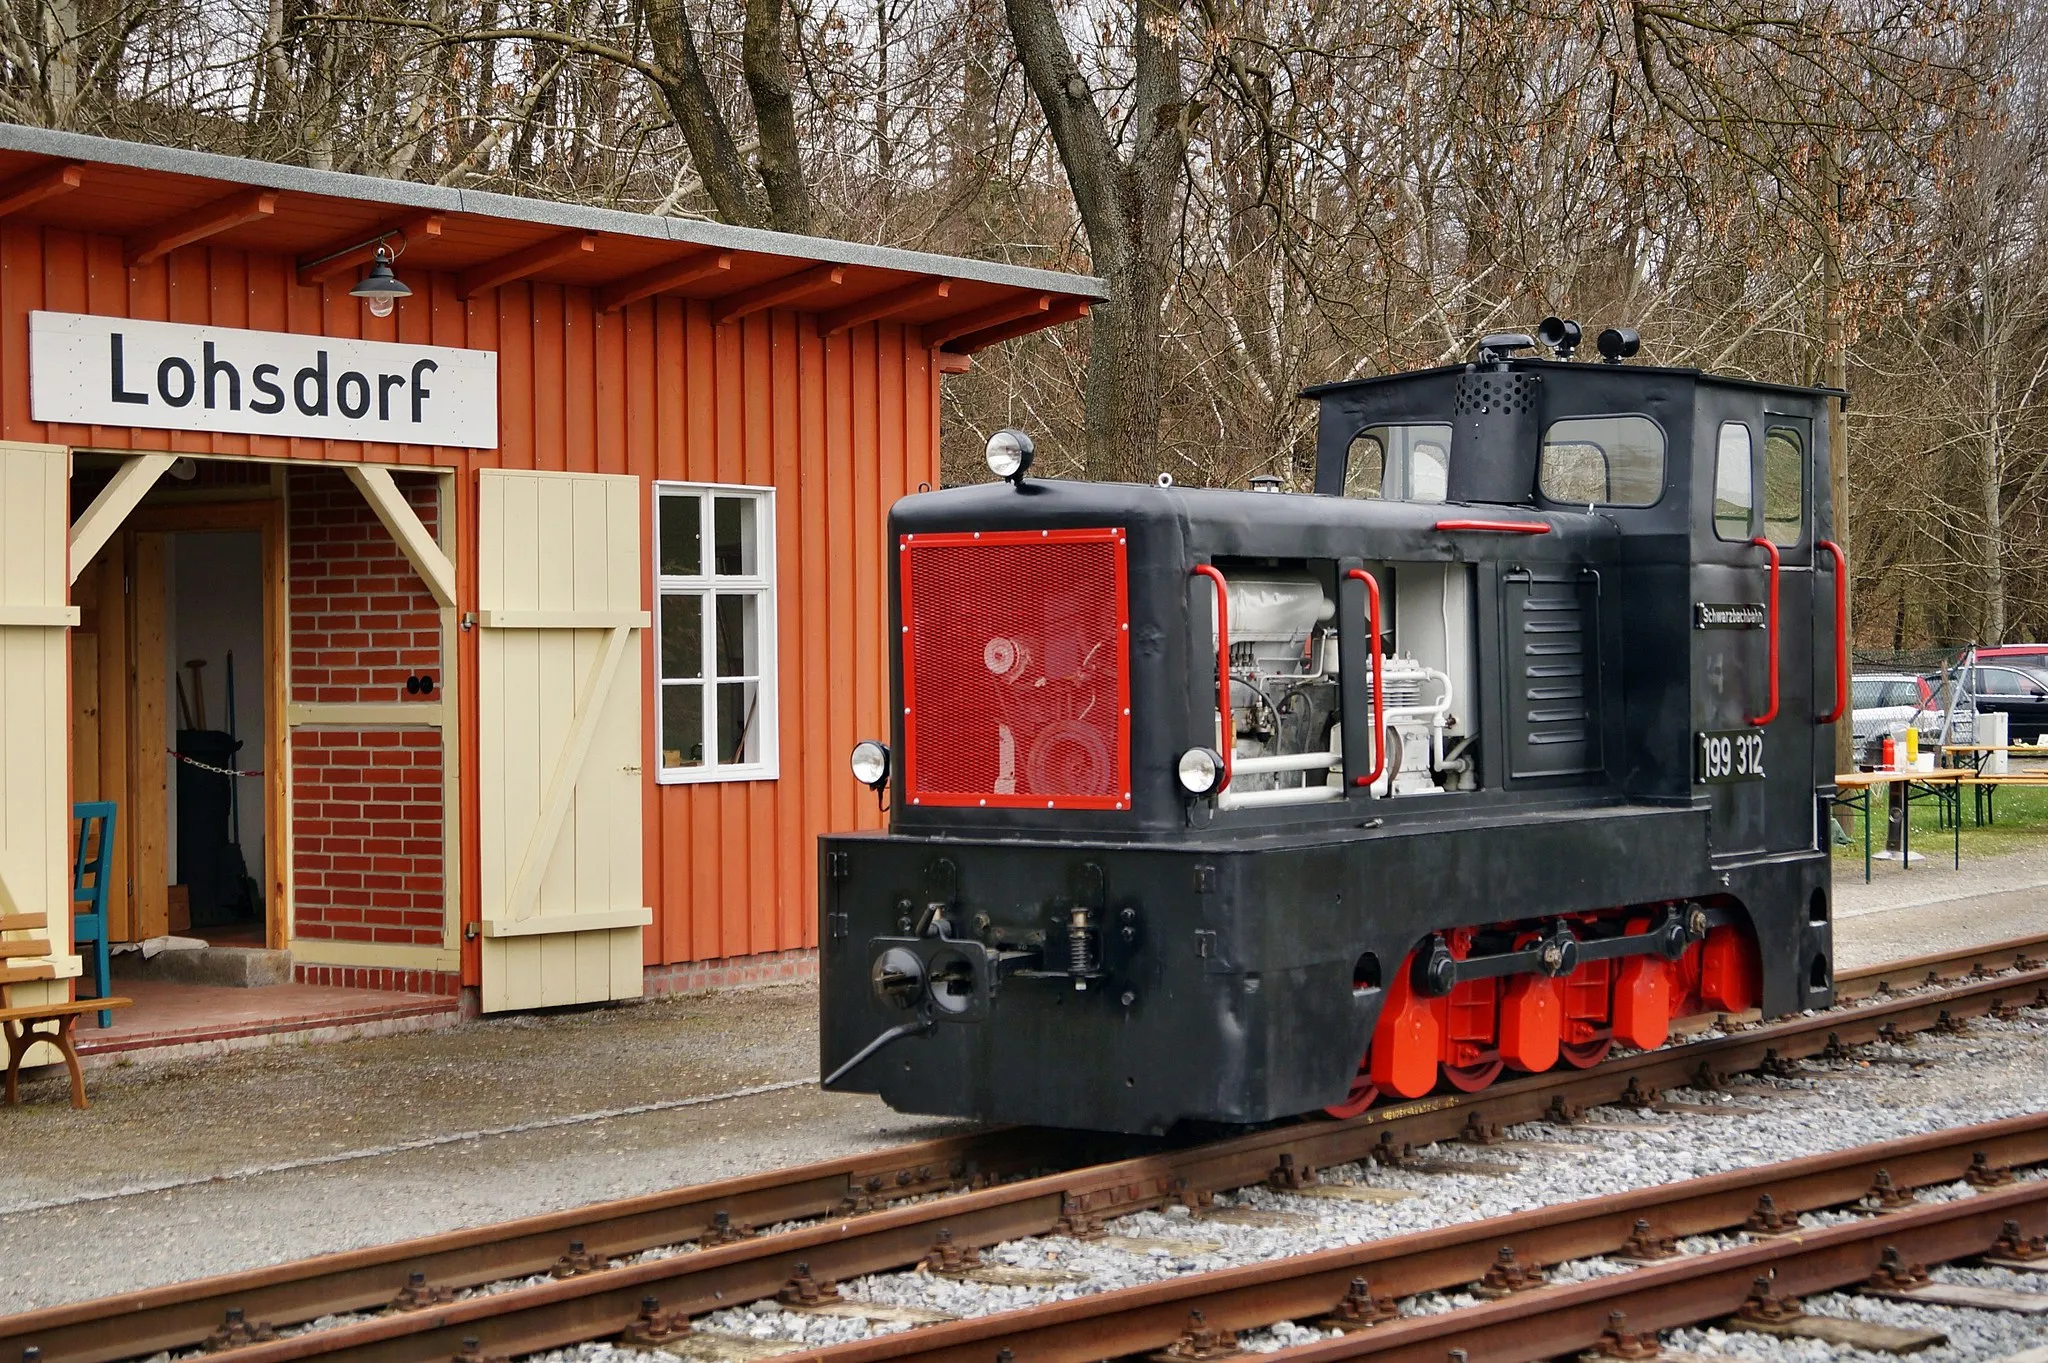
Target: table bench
24, 1024
1941, 785
1984, 786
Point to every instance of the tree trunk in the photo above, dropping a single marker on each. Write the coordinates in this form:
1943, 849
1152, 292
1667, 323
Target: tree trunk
1122, 400
766, 67
1835, 357
1993, 477
60, 72
1126, 203
687, 93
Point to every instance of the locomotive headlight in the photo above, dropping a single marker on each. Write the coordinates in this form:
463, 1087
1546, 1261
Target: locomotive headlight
870, 763
1200, 771
1009, 454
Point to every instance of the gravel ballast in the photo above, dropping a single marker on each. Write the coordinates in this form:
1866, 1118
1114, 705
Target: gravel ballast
1932, 1083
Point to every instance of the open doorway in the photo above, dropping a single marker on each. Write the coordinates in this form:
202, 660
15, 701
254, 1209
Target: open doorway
213, 592
192, 576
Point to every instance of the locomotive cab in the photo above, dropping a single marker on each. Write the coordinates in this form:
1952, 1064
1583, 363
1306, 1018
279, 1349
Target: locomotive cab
1510, 742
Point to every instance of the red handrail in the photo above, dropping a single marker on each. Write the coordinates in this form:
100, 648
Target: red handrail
1379, 681
1770, 633
1498, 527
1841, 631
1222, 665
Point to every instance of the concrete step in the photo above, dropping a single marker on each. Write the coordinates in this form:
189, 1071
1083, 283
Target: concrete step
233, 967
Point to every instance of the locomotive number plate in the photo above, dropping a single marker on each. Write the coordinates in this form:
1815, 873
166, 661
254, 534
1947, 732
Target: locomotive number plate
1727, 755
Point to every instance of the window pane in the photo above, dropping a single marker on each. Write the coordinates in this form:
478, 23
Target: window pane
1401, 463
682, 725
1426, 465
738, 642
682, 532
1365, 466
1784, 485
1732, 499
739, 737
1603, 460
1573, 473
682, 636
733, 536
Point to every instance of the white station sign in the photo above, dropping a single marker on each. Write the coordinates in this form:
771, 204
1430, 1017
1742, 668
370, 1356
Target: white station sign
109, 371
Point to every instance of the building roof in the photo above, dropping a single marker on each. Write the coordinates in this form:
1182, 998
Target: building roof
160, 198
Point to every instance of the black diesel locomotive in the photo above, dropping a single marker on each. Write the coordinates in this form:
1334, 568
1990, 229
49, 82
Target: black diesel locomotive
1510, 743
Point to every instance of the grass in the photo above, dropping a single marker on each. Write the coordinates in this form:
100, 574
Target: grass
2022, 813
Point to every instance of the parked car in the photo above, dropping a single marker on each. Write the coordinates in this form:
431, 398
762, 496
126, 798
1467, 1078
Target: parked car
2033, 657
1883, 699
2019, 693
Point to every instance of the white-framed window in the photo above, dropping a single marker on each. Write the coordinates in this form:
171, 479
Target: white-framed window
714, 588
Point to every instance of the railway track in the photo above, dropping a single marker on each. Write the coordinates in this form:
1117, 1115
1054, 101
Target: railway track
882, 1211
1507, 1255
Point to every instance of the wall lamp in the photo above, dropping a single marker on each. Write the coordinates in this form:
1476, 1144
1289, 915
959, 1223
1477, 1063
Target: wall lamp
381, 289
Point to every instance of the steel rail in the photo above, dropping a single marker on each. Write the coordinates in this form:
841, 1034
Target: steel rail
179, 1315
1689, 1291
598, 1304
1152, 1316
1911, 972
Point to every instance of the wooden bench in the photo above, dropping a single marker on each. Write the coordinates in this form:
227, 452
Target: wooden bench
24, 1023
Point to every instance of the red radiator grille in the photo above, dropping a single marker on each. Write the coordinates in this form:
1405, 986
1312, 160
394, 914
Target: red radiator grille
1016, 669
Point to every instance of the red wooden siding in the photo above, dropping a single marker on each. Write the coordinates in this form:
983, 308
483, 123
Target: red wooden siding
840, 427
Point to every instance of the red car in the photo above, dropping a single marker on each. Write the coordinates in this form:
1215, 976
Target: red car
2034, 656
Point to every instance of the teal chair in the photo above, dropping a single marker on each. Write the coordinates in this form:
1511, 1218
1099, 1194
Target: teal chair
91, 869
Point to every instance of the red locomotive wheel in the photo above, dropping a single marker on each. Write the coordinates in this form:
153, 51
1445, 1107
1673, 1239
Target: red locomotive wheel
1584, 1055
1364, 1093
1472, 1078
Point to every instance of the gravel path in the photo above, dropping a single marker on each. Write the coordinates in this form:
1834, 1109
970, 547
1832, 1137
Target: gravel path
208, 1166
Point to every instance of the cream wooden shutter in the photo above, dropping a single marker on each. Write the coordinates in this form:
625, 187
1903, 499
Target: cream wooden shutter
558, 747
35, 720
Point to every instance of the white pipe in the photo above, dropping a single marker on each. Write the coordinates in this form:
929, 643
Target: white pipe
1256, 799
1300, 761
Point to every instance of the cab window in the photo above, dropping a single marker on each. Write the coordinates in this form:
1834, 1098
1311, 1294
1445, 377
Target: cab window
1602, 461
1732, 489
1784, 485
1409, 463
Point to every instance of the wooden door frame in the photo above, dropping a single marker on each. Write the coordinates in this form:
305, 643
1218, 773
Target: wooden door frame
266, 516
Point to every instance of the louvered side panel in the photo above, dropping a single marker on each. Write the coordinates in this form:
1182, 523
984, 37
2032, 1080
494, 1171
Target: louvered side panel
1551, 655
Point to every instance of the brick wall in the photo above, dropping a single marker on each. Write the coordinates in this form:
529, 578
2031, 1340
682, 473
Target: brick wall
367, 835
446, 983
731, 972
361, 619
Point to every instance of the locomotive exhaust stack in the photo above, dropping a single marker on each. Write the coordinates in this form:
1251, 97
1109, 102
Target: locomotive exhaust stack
1506, 745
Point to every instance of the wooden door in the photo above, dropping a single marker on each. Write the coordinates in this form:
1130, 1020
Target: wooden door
146, 816
35, 778
102, 685
558, 657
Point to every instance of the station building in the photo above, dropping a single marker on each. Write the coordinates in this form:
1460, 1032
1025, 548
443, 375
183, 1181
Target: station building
536, 614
